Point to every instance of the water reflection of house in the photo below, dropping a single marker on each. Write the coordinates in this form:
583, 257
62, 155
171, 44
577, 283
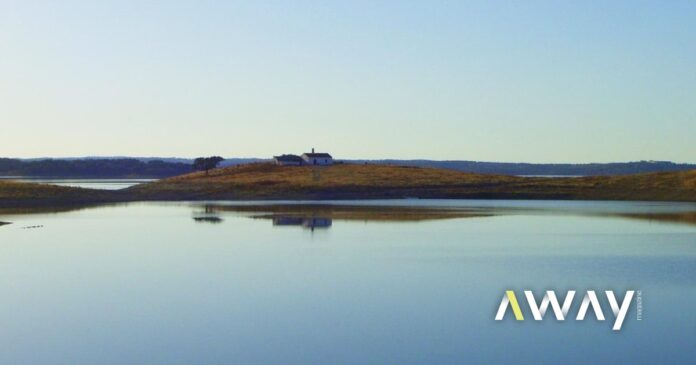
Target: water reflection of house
315, 222
287, 221
305, 222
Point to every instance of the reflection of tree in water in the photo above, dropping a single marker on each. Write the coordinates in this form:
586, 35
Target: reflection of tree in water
208, 215
212, 219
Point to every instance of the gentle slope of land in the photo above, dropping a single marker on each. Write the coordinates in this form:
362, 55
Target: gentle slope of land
551, 169
354, 181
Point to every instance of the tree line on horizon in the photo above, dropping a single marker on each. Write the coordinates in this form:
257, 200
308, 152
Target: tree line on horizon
98, 168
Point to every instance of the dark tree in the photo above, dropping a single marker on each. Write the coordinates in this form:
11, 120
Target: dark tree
207, 163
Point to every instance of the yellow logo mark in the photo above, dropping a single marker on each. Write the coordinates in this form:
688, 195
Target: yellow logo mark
515, 306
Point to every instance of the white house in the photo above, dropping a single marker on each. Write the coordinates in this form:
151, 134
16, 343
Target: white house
312, 158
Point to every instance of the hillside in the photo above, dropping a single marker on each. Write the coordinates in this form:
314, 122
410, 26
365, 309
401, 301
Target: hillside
261, 181
354, 181
551, 169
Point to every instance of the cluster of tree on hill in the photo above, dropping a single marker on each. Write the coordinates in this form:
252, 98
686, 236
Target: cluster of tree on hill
207, 163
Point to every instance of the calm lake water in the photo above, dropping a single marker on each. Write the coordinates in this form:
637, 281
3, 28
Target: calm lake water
190, 283
105, 184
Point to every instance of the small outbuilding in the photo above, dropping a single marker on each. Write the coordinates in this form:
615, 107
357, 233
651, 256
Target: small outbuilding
288, 160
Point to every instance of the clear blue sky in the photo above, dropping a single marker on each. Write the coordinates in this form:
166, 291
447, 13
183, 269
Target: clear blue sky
556, 81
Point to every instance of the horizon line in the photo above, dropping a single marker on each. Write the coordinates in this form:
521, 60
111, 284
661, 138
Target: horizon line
96, 157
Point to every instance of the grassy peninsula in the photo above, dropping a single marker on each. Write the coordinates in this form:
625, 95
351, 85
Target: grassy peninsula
20, 195
260, 181
354, 181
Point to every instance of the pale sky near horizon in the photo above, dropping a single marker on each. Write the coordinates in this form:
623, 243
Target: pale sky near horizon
537, 81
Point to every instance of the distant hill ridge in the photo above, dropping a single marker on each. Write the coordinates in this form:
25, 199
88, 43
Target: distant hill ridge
159, 167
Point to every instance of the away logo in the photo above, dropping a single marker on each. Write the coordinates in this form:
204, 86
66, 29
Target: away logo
561, 311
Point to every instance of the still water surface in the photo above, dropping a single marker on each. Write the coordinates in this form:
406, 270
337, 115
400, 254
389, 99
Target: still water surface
154, 283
